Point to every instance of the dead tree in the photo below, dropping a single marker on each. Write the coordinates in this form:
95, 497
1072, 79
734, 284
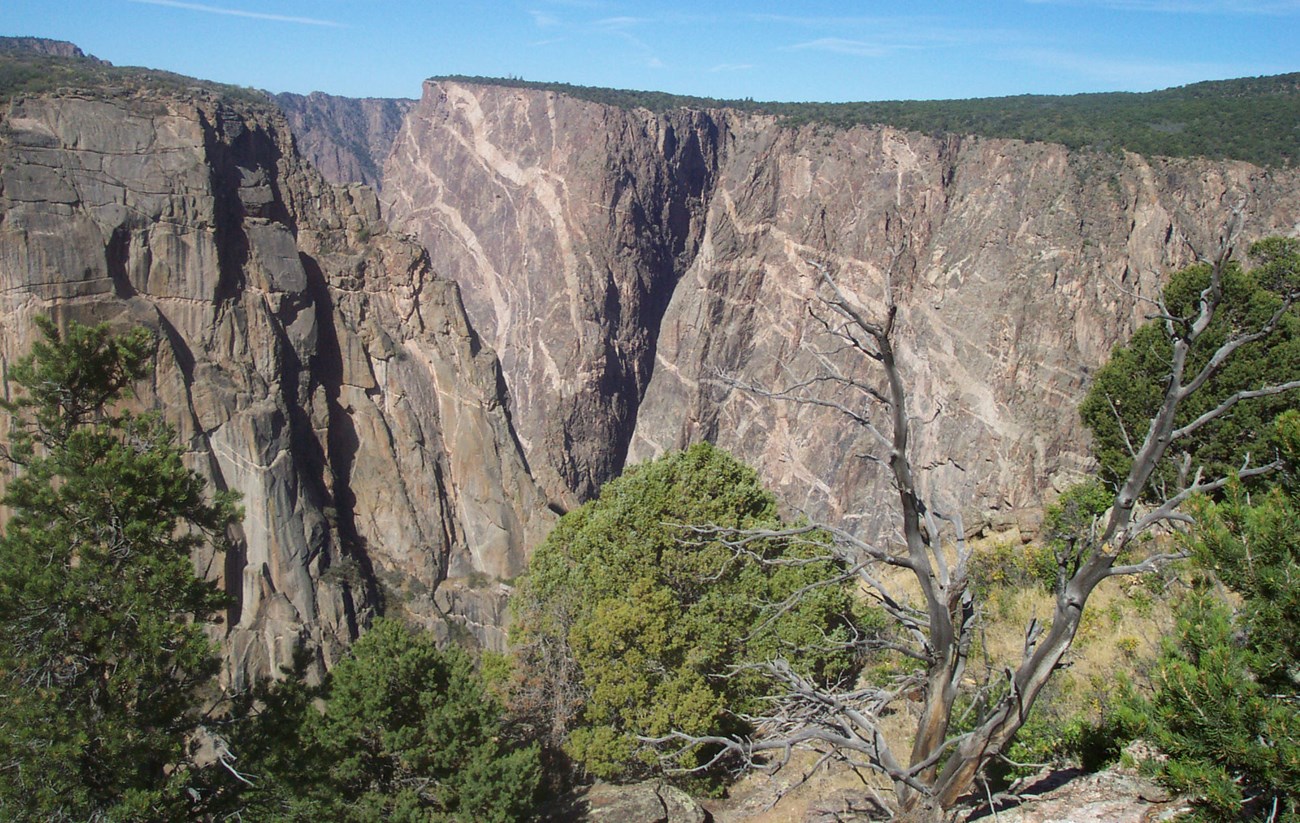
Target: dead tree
935, 613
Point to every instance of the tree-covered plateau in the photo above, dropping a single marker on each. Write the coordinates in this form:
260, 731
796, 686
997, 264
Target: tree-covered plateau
1197, 120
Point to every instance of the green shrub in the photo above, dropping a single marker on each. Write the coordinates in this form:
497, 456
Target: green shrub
405, 732
410, 733
1232, 744
1224, 702
1127, 390
629, 623
1013, 565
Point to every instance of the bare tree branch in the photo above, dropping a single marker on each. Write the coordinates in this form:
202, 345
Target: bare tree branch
1224, 407
934, 612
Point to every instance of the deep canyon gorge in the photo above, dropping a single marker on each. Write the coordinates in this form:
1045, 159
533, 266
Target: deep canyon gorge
411, 333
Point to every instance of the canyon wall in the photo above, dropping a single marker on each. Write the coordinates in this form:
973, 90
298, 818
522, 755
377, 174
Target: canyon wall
309, 357
567, 225
345, 138
631, 269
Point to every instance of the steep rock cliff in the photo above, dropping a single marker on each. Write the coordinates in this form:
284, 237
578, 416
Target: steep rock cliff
567, 224
345, 138
623, 263
628, 267
310, 360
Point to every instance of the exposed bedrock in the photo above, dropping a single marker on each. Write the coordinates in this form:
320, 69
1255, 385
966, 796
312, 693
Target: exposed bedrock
627, 266
567, 225
309, 358
345, 138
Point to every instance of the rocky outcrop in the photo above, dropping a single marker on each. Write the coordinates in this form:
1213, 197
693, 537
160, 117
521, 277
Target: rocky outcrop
42, 46
568, 225
647, 802
311, 360
631, 267
345, 138
1114, 795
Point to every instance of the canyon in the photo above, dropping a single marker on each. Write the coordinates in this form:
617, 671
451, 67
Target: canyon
309, 358
635, 271
501, 296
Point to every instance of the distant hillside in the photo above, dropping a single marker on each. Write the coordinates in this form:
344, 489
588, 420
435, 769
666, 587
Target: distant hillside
1256, 119
33, 65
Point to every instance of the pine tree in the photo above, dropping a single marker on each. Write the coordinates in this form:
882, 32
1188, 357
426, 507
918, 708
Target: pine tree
405, 733
1224, 705
101, 650
1126, 392
636, 606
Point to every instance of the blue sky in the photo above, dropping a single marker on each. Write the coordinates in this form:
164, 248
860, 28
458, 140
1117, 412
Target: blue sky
830, 51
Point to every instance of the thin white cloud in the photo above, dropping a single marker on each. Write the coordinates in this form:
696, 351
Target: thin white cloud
638, 32
578, 4
622, 27
255, 15
840, 45
884, 36
1269, 8
620, 23
917, 29
544, 20
818, 21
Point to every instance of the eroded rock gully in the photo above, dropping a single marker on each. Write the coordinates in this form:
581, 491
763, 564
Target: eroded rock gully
567, 224
310, 359
345, 138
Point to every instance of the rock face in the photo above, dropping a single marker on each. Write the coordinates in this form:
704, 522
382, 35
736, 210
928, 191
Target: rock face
1115, 795
345, 138
309, 358
648, 802
43, 46
630, 268
567, 224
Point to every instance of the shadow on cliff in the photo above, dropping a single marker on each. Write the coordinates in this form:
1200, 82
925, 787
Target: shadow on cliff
665, 206
341, 446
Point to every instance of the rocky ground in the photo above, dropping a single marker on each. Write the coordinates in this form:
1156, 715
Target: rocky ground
1119, 794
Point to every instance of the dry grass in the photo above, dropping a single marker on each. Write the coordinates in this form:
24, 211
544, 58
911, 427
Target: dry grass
1120, 635
793, 795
